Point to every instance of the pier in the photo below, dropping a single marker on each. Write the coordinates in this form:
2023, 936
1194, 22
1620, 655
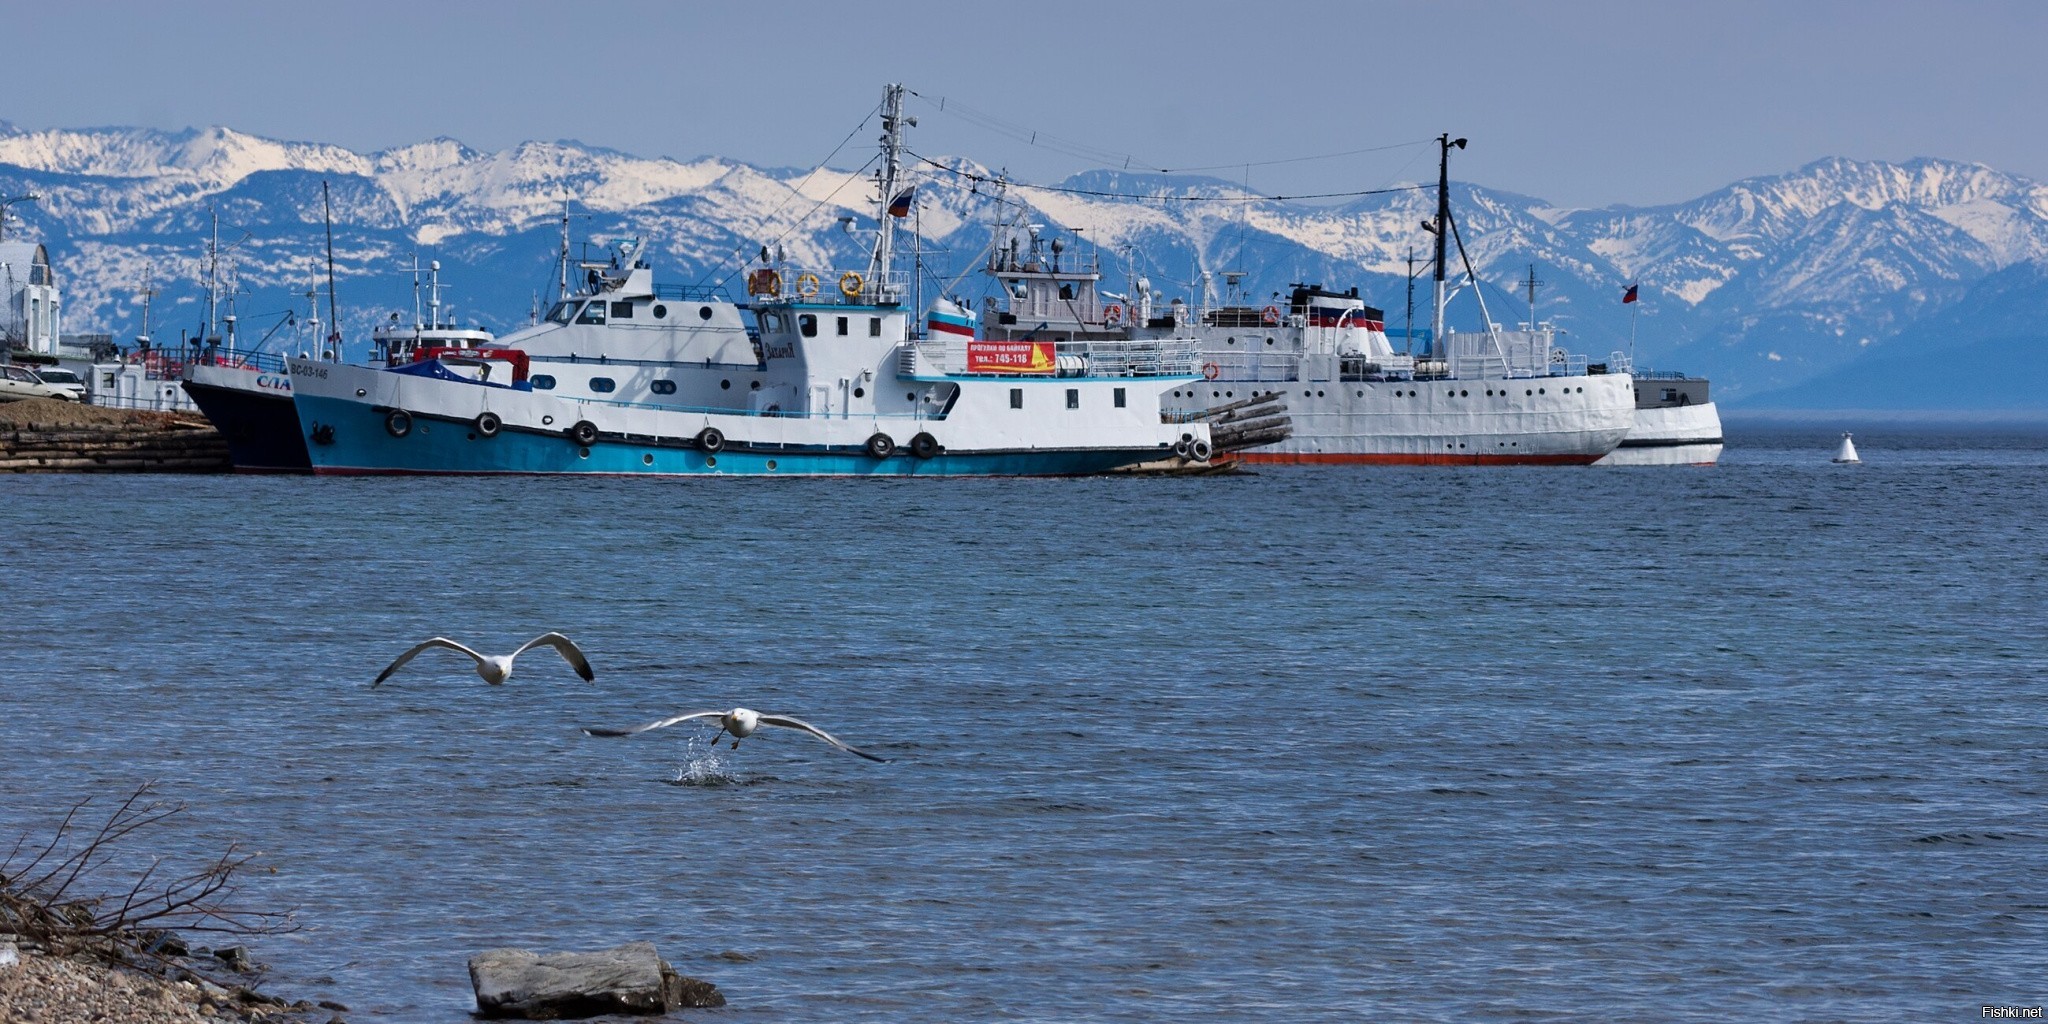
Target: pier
51, 436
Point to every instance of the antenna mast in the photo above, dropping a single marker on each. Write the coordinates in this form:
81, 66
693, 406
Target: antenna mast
333, 313
1532, 296
1443, 228
213, 277
892, 166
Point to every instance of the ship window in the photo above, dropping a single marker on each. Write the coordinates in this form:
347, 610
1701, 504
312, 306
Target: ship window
1073, 398
663, 387
725, 385
754, 386
842, 327
1016, 398
874, 327
542, 381
703, 312
1464, 394
593, 313
860, 392
1117, 397
660, 311
808, 324
562, 313
1269, 341
603, 385
1230, 341
622, 311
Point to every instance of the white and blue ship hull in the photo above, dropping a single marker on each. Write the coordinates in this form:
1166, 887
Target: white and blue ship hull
360, 420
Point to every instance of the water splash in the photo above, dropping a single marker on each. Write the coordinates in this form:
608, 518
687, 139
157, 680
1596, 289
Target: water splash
703, 767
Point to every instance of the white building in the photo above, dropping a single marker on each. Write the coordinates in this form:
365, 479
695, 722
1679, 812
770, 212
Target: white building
31, 319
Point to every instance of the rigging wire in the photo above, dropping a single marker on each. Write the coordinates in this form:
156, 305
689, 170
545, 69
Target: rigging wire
797, 191
1122, 161
978, 179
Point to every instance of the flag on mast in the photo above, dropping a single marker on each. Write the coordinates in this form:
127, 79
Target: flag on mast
900, 206
1628, 296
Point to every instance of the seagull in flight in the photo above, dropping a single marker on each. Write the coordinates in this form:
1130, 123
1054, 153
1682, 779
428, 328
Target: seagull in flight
741, 723
495, 669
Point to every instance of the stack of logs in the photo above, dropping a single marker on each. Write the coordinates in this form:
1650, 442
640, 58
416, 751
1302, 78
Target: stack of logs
168, 446
1248, 423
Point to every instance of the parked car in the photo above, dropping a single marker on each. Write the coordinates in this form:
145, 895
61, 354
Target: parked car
58, 377
19, 382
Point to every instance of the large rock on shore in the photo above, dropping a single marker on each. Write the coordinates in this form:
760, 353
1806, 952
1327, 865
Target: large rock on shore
632, 978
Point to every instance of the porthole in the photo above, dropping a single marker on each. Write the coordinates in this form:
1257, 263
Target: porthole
582, 453
1269, 341
711, 462
1582, 391
647, 459
771, 463
1230, 341
910, 396
1319, 394
754, 386
1306, 393
1230, 394
860, 392
1464, 394
1489, 392
542, 381
1539, 391
603, 385
660, 311
1361, 394
546, 420
663, 387
1529, 391
703, 312
725, 385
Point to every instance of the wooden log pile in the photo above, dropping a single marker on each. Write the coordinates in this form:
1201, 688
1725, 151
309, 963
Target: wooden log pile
1247, 423
176, 446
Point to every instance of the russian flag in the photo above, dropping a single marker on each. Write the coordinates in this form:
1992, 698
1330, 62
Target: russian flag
1628, 296
900, 206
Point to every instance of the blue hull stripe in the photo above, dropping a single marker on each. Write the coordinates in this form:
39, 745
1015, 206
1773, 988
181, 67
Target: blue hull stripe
361, 445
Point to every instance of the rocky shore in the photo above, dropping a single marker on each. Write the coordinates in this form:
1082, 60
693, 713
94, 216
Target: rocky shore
37, 987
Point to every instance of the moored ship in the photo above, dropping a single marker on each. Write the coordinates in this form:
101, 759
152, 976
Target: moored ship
1491, 397
627, 377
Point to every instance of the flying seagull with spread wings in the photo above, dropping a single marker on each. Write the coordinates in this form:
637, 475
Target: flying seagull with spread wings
495, 669
741, 723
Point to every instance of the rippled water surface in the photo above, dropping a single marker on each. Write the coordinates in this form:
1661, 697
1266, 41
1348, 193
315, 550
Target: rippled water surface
1756, 742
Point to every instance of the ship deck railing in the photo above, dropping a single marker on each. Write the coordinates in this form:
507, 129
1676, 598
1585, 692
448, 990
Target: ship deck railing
767, 413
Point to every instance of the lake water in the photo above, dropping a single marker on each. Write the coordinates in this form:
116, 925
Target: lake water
1755, 742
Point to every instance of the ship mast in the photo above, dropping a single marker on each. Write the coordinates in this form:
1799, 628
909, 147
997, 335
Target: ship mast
213, 279
1442, 231
892, 167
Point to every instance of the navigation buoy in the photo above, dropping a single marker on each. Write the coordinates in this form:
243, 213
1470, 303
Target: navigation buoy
1847, 452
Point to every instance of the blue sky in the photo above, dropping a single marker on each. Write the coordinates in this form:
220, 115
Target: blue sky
1581, 103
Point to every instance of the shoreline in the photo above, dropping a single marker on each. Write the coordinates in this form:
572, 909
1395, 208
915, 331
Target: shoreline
41, 986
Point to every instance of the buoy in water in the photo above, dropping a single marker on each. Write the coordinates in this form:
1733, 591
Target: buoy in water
1847, 452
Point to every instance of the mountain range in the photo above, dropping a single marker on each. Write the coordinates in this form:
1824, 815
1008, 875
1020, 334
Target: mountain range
1841, 284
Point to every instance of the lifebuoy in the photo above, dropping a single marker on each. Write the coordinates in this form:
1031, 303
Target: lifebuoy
881, 446
1270, 315
765, 281
583, 433
488, 424
850, 284
711, 439
807, 285
1210, 371
398, 423
924, 445
1200, 450
1112, 314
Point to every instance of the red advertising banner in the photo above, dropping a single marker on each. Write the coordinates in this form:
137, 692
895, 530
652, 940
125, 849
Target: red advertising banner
1010, 357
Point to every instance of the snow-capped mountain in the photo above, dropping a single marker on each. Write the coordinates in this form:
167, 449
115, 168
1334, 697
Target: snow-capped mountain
1765, 284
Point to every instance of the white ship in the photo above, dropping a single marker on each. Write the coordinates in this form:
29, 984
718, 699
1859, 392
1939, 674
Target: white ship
1676, 423
1492, 397
630, 378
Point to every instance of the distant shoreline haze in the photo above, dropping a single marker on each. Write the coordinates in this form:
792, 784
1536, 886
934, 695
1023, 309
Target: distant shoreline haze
1844, 284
